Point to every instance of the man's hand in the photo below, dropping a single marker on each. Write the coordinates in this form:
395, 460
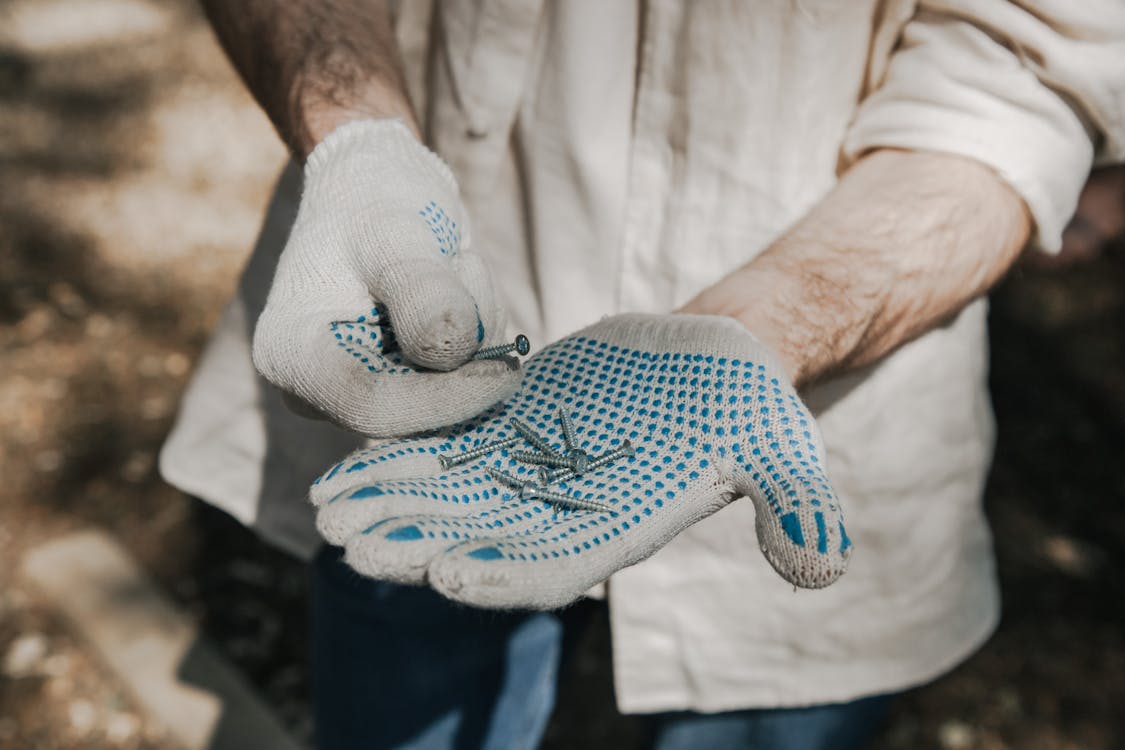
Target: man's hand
677, 415
381, 235
380, 245
903, 242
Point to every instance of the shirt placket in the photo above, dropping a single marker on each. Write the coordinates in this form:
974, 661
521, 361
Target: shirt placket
643, 286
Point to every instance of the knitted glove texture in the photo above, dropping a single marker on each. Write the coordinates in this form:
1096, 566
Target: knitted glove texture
381, 243
709, 415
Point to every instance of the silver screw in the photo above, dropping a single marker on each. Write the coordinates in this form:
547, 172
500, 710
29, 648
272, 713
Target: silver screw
567, 430
527, 489
542, 459
578, 460
521, 346
448, 462
531, 492
625, 450
534, 438
505, 478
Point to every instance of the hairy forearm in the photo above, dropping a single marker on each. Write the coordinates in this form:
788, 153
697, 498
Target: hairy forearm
314, 64
904, 241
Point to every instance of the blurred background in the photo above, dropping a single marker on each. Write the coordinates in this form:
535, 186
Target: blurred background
133, 173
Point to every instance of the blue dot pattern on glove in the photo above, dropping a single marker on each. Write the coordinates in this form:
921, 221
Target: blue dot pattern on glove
370, 340
443, 228
710, 417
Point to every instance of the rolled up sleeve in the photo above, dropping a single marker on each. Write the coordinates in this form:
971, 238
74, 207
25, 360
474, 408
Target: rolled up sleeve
1034, 90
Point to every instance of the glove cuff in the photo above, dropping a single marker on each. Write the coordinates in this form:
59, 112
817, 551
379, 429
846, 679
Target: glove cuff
705, 335
387, 140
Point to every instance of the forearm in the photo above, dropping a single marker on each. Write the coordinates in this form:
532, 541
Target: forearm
314, 64
904, 241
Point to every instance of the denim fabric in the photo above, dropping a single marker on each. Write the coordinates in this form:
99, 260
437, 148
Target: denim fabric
838, 726
401, 667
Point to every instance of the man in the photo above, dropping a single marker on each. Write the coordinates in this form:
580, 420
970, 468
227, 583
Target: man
843, 181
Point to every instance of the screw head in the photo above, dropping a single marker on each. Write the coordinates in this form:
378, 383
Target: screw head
579, 460
523, 345
529, 491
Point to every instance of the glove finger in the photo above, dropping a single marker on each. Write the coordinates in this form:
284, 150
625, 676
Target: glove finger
411, 402
554, 564
423, 457
302, 408
386, 459
474, 273
401, 548
799, 525
344, 366
546, 567
314, 348
457, 493
434, 315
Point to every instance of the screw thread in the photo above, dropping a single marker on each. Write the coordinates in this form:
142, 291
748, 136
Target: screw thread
625, 450
521, 346
448, 462
491, 352
541, 459
533, 437
568, 501
505, 478
567, 429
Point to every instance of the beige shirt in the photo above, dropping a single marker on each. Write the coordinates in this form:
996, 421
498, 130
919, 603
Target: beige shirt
620, 156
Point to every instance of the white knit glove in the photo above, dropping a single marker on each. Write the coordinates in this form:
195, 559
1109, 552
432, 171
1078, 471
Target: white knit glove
678, 415
380, 242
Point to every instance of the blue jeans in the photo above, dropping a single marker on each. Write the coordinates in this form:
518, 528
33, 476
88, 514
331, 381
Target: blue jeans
401, 667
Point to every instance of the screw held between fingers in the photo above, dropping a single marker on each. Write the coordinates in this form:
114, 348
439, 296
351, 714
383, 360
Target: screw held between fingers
520, 346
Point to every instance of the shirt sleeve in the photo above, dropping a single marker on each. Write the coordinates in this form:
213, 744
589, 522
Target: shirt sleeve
1035, 89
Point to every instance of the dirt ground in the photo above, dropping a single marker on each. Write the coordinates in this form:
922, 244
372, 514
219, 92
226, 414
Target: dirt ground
133, 172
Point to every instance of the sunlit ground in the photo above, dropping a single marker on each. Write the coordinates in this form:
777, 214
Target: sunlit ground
133, 172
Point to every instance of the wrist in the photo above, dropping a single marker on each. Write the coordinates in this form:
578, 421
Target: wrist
389, 145
318, 115
733, 297
901, 243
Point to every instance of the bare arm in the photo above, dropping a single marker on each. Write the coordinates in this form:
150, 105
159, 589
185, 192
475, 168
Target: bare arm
314, 64
905, 240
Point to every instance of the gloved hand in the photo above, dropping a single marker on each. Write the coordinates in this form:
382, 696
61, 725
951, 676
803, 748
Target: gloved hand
381, 239
701, 405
